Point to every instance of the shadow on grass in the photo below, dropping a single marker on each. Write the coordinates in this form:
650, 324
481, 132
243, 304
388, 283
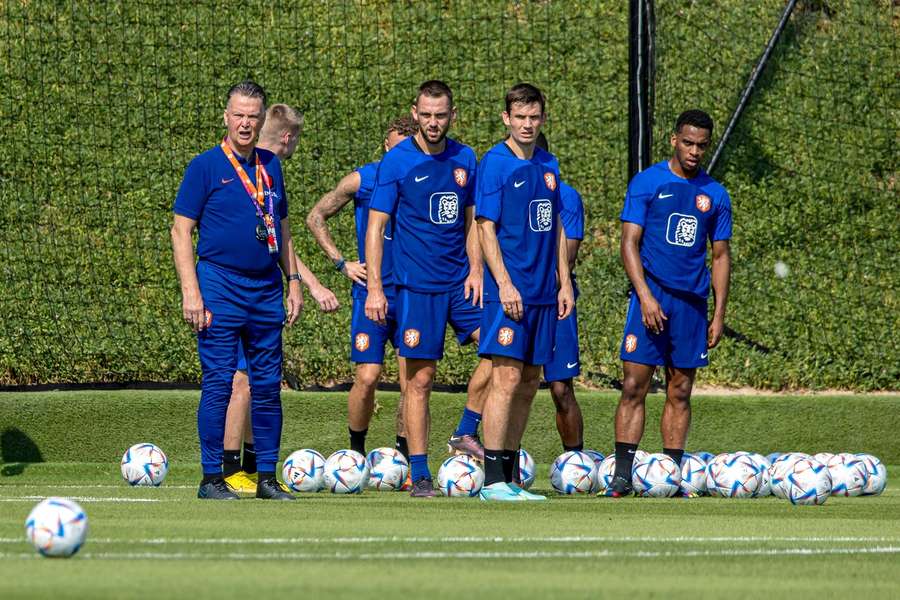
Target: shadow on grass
17, 451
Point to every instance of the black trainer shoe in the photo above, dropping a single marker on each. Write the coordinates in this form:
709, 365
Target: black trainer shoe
216, 490
271, 489
619, 488
423, 488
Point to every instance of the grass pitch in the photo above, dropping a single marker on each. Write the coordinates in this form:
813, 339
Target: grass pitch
163, 543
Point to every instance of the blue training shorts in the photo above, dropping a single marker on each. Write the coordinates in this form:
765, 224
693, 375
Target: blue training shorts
529, 340
367, 338
422, 319
681, 343
565, 363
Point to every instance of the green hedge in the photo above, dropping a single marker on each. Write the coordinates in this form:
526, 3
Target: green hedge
105, 104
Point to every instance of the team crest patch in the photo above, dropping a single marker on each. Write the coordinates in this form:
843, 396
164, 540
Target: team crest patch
361, 341
505, 336
704, 203
207, 317
411, 337
550, 180
630, 343
461, 177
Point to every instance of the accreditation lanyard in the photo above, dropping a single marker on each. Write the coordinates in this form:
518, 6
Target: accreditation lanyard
266, 231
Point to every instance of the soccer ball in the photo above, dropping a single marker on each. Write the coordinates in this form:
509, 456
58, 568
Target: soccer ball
526, 469
824, 457
346, 472
144, 464
598, 460
807, 482
779, 470
657, 476
460, 476
56, 527
573, 472
693, 474
773, 457
762, 464
387, 469
304, 471
605, 472
704, 456
848, 474
877, 475
733, 476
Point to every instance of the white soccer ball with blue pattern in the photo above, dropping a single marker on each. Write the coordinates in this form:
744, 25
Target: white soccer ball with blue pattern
460, 476
876, 479
605, 472
346, 472
387, 469
144, 465
779, 470
733, 476
808, 482
693, 474
573, 472
848, 474
765, 482
526, 469
56, 527
598, 460
656, 476
304, 471
824, 457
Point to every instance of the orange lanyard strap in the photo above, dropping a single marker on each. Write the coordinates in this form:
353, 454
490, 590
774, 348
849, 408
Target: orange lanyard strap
255, 191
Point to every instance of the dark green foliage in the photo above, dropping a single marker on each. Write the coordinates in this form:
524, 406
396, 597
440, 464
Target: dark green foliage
105, 103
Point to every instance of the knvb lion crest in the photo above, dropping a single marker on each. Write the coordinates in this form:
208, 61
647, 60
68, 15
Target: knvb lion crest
411, 337
550, 180
505, 336
361, 341
461, 177
630, 343
704, 203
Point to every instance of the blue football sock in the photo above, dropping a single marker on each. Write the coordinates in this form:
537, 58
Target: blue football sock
468, 424
418, 467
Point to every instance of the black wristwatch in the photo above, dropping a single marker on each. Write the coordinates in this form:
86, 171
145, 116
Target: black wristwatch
294, 277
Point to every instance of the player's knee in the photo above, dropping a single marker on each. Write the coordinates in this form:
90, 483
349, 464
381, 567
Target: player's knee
633, 391
563, 398
506, 380
679, 393
419, 384
240, 389
367, 377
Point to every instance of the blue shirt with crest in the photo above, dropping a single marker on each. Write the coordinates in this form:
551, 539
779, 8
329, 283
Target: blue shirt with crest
522, 198
678, 216
212, 194
427, 196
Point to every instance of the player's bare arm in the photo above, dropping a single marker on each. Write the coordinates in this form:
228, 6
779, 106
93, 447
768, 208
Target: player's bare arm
324, 297
329, 205
651, 313
376, 301
287, 260
183, 253
510, 297
566, 295
721, 281
475, 281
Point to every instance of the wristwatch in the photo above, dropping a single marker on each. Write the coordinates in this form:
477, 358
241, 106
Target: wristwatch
294, 277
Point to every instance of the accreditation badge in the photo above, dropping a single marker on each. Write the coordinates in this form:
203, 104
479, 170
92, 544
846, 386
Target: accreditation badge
271, 240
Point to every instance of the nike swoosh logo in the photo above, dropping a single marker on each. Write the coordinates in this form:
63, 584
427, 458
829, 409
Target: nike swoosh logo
704, 355
572, 365
518, 184
418, 179
631, 452
661, 196
227, 181
491, 457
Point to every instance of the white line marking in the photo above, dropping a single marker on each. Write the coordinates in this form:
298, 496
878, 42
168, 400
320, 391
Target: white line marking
475, 540
765, 552
99, 486
86, 499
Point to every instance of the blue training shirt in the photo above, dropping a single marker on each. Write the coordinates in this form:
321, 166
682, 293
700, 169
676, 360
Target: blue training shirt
522, 198
427, 196
367, 175
678, 217
212, 194
571, 214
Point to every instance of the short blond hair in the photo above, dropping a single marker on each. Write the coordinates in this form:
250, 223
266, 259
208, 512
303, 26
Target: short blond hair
281, 118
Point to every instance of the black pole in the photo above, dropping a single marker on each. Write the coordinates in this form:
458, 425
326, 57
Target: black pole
751, 84
639, 67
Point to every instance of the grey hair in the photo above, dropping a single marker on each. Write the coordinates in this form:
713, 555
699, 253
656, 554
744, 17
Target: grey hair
247, 88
